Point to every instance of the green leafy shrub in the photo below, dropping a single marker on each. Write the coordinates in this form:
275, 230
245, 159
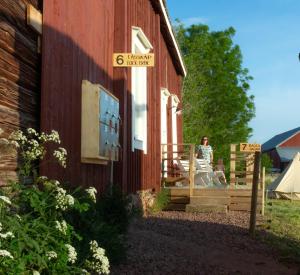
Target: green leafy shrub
106, 222
161, 201
36, 235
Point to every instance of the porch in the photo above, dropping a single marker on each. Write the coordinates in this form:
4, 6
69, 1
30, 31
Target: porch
194, 187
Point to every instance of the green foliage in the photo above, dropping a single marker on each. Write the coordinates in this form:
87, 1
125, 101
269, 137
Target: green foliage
266, 162
283, 227
161, 201
106, 222
215, 98
39, 230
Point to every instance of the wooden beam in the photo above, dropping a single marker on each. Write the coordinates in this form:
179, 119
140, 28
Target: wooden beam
263, 177
254, 194
34, 18
191, 168
232, 164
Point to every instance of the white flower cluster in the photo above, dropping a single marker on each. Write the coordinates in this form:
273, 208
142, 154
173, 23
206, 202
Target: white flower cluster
100, 263
92, 193
34, 150
35, 272
61, 226
18, 136
31, 131
63, 201
7, 234
61, 156
72, 254
5, 253
5, 199
54, 137
51, 255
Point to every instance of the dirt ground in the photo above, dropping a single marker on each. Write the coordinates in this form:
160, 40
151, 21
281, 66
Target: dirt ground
185, 243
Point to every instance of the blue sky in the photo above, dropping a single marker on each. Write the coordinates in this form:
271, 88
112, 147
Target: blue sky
268, 32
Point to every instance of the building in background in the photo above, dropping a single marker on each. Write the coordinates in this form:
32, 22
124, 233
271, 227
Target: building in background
44, 73
283, 147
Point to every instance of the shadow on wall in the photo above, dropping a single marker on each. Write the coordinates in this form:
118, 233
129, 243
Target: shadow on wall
65, 63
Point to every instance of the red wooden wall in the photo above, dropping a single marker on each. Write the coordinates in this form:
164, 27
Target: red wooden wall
78, 42
77, 45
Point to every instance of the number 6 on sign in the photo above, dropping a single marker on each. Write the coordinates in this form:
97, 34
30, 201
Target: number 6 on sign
120, 60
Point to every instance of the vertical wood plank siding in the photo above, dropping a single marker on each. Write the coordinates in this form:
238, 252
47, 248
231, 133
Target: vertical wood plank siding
19, 76
78, 42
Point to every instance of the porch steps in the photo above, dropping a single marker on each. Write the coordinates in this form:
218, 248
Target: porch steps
212, 200
204, 203
177, 203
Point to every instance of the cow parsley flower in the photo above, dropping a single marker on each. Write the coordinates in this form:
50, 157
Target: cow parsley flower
92, 193
100, 262
31, 131
5, 199
61, 226
63, 201
14, 143
54, 137
61, 156
35, 272
6, 235
72, 254
5, 253
51, 255
18, 136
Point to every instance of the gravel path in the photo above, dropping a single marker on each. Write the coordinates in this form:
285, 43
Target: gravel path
185, 243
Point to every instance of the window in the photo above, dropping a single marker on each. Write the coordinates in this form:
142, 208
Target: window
140, 44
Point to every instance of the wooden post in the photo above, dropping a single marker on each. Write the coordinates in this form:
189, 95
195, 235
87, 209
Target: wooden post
263, 177
192, 168
254, 194
232, 164
249, 168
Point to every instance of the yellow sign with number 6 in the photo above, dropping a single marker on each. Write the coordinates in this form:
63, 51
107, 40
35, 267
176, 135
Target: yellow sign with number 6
133, 60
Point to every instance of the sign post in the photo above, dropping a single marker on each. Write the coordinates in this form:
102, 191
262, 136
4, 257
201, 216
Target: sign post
254, 194
133, 60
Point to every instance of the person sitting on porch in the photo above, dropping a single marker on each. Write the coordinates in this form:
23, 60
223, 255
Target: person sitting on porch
220, 171
205, 151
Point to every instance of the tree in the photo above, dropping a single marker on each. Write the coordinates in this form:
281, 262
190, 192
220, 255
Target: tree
215, 99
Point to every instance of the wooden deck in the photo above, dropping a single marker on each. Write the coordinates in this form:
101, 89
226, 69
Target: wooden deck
218, 199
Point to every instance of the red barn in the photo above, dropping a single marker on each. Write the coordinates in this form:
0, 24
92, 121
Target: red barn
282, 147
78, 41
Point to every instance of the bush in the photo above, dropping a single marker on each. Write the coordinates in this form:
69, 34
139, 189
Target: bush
106, 222
161, 201
46, 229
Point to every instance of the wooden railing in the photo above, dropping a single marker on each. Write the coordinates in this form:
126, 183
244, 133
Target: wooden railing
171, 173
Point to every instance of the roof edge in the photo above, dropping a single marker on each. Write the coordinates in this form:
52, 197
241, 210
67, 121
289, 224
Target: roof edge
288, 138
171, 33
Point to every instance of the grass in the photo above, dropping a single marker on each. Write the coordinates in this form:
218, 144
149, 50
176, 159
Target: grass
283, 226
